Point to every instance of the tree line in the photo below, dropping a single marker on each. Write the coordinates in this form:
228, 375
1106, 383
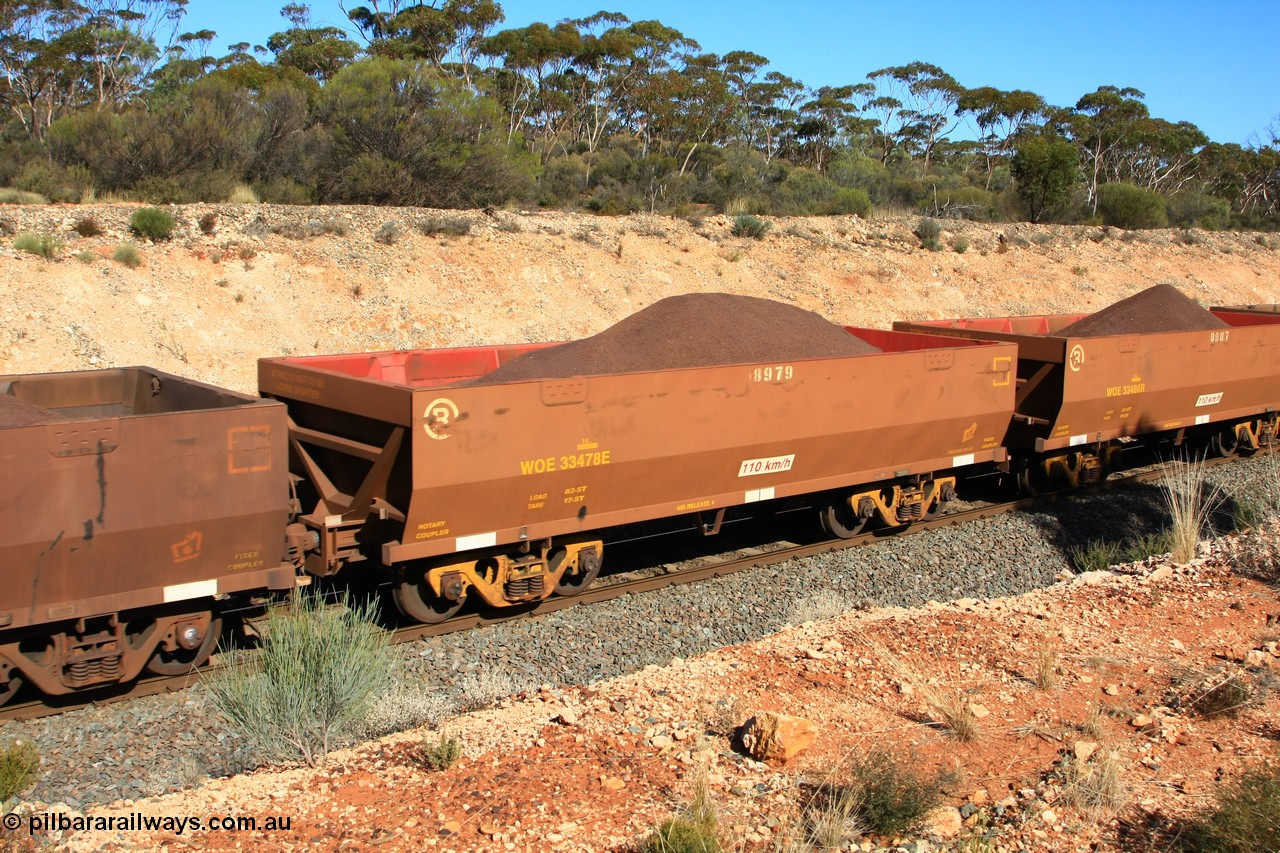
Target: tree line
436, 104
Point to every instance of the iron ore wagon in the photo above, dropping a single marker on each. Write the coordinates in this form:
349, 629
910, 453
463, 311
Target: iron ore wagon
461, 487
134, 501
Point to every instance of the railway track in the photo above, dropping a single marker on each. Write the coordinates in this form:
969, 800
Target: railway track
715, 567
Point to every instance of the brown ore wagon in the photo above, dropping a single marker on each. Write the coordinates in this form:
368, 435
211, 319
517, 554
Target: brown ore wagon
459, 487
129, 492
1080, 397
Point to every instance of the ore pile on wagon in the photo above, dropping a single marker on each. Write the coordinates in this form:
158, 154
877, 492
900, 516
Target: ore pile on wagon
1162, 308
693, 330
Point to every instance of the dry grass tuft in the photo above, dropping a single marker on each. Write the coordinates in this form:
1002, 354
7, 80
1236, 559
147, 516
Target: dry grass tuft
1190, 501
1096, 784
948, 709
1046, 675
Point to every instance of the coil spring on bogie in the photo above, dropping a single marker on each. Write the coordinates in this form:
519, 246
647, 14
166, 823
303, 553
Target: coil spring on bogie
1266, 435
910, 511
86, 671
525, 587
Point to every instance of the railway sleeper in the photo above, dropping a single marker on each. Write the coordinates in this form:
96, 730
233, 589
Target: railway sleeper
104, 650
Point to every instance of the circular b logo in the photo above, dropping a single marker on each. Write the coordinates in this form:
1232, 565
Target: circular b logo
1076, 359
439, 414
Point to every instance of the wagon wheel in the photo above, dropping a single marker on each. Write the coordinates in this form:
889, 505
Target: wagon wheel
838, 520
415, 599
589, 564
180, 661
1225, 442
1033, 480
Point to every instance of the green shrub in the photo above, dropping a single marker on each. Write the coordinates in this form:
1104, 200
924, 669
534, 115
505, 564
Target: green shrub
972, 203
51, 181
387, 234
284, 191
161, 189
1198, 210
444, 226
889, 798
681, 835
850, 200
46, 246
1244, 819
317, 675
84, 256
127, 254
9, 195
928, 230
18, 765
152, 223
1149, 545
87, 227
692, 831
440, 755
749, 225
960, 245
1131, 207
1097, 556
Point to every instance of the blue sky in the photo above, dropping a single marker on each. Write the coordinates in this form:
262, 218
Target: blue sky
1210, 64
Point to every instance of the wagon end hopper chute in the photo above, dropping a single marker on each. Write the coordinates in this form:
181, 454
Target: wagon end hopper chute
134, 501
1078, 396
519, 478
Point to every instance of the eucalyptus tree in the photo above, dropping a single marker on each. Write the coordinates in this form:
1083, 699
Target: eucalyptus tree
318, 52
1100, 126
916, 107
61, 55
448, 34
771, 108
824, 122
999, 116
532, 83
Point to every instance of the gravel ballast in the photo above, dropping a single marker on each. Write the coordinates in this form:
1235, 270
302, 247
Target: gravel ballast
149, 746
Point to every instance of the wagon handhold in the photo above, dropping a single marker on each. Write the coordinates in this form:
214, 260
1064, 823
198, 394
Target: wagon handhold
768, 736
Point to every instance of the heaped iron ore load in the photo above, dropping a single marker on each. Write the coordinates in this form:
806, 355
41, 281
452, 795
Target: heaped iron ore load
693, 330
133, 499
1154, 366
412, 456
